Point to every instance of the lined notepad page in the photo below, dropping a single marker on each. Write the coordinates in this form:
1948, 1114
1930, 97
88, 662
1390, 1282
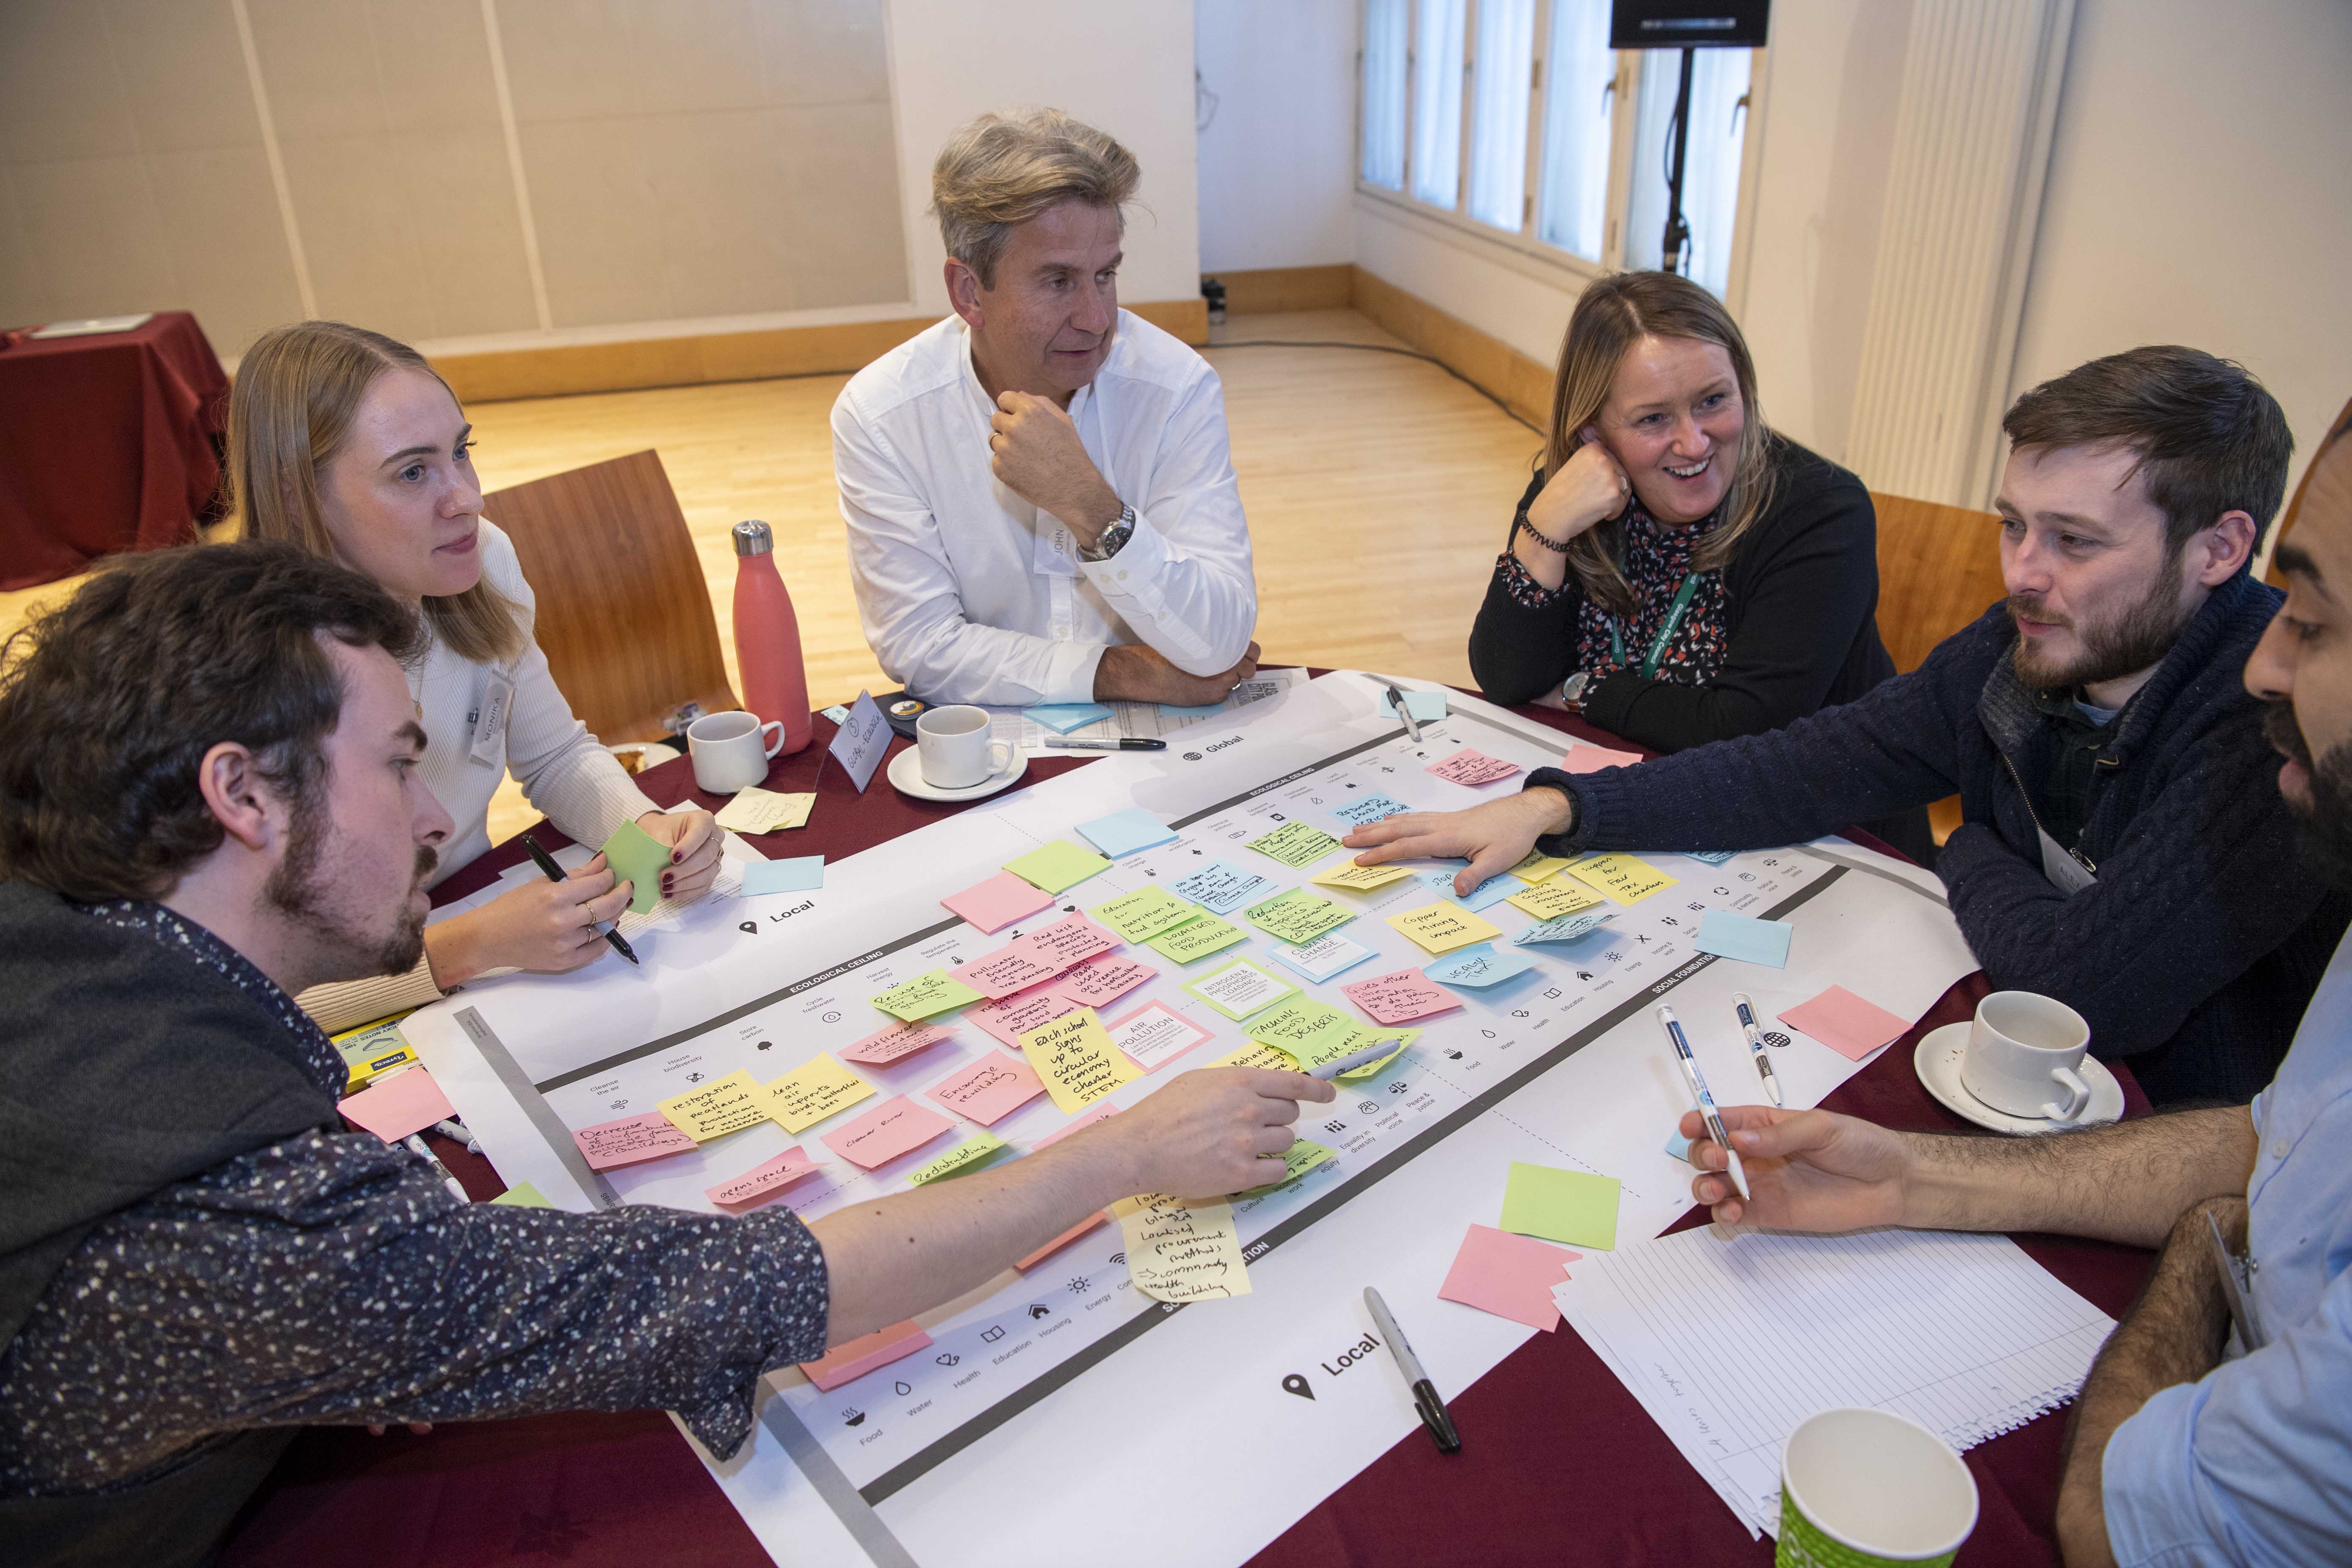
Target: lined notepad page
1731, 1338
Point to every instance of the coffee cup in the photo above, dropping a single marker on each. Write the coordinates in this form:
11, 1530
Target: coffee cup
731, 750
953, 748
1864, 1488
2021, 1046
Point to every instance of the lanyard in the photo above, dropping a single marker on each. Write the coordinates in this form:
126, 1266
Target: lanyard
1683, 596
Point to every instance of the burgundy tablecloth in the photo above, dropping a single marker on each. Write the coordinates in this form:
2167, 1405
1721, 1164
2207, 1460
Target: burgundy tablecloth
1560, 1466
106, 444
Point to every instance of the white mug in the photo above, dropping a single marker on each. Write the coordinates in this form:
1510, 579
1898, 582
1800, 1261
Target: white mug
731, 750
954, 750
2021, 1045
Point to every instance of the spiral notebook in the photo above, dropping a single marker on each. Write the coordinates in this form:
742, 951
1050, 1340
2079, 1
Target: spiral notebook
1730, 1338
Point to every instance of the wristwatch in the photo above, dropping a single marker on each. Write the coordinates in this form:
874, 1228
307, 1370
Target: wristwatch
1108, 543
1572, 689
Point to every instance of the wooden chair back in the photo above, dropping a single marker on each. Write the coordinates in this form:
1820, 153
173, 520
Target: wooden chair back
2331, 492
624, 611
1938, 568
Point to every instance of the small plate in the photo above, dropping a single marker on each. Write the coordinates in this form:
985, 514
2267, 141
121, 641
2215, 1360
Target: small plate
907, 778
1938, 1063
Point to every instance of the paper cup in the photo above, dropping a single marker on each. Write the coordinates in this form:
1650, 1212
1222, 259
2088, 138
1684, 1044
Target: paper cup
1859, 1488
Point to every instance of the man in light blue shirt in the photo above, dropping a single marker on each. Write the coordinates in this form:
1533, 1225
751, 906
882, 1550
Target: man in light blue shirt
2189, 1446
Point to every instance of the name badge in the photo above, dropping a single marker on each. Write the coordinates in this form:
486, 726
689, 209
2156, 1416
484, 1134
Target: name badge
490, 722
1057, 553
2067, 874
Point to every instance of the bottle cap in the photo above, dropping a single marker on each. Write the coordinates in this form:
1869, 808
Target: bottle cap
753, 539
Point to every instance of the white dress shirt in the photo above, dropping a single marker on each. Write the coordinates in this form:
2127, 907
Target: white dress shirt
970, 594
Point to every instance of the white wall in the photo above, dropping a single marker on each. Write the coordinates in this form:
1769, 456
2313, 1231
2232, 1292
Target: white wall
2200, 193
1126, 68
1277, 156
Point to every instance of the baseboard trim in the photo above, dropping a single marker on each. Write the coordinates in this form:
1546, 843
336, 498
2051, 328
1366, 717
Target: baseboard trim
1256, 290
1522, 384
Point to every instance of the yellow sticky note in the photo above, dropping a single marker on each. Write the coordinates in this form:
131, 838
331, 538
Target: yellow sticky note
1623, 877
982, 1148
1059, 864
1302, 1156
716, 1109
1561, 895
1180, 1251
757, 810
523, 1195
1074, 1057
1296, 843
1403, 1037
1196, 939
1258, 1054
1442, 927
1313, 1031
813, 1091
1538, 866
925, 995
1348, 874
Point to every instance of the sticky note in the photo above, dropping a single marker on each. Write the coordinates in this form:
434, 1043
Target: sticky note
1258, 1054
1180, 1251
1310, 1032
1000, 974
1403, 1037
757, 810
1846, 1023
1400, 997
1143, 914
935, 992
969, 1155
714, 1110
1323, 957
1298, 916
1220, 888
1302, 1156
1561, 895
1712, 856
1122, 833
1361, 879
850, 1361
637, 858
1100, 981
1510, 1276
813, 1091
897, 1126
989, 1090
1678, 1147
1056, 865
1076, 1060
762, 1181
1473, 768
1479, 966
1071, 940
1367, 809
1240, 989
1485, 896
609, 1145
1442, 927
993, 905
1015, 1015
1294, 843
1538, 866
1426, 707
1743, 936
1196, 939
1064, 717
393, 1107
1592, 759
1151, 1037
1623, 877
798, 875
523, 1195
1567, 928
887, 1046
1573, 1206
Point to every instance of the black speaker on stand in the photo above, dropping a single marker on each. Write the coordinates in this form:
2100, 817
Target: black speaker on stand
1690, 26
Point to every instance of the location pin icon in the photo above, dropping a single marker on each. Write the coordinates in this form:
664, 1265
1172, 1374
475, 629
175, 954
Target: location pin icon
1299, 1386
749, 928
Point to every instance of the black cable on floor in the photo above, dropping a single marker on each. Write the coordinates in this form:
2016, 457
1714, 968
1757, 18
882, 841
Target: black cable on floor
1384, 349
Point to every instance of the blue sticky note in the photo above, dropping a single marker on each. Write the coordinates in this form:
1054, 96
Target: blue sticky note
1712, 856
1208, 710
1485, 896
1125, 832
1745, 937
1220, 888
1478, 965
1367, 809
798, 875
1064, 717
1424, 706
1679, 1147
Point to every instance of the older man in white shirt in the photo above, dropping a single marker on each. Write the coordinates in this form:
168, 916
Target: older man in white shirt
1040, 496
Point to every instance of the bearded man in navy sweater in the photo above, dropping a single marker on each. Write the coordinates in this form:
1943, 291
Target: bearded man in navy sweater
2124, 845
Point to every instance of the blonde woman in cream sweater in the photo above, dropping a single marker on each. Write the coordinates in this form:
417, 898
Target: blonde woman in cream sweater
347, 444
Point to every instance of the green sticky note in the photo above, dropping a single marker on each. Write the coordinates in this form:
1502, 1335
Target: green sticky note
1296, 844
1298, 916
1143, 914
1196, 939
1059, 864
963, 1157
1365, 1041
637, 858
1314, 1031
937, 992
1572, 1206
523, 1195
1301, 1157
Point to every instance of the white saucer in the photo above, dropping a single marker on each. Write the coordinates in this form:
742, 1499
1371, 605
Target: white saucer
1938, 1063
907, 778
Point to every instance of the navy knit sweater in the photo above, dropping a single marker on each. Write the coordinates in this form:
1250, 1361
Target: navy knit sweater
2193, 955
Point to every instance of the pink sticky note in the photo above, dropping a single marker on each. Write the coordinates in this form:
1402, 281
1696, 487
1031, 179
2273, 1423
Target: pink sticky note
999, 974
989, 1090
1400, 998
890, 1130
996, 903
845, 1363
1099, 1113
611, 1144
1061, 1241
1592, 759
887, 1046
764, 1180
1510, 1276
1015, 1015
393, 1107
1473, 767
1067, 941
1152, 1035
1846, 1023
1101, 980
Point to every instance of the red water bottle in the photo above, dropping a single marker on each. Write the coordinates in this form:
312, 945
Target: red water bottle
768, 638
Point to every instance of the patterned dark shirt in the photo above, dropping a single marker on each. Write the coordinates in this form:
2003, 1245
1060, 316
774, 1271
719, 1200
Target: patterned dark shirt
333, 1278
1656, 559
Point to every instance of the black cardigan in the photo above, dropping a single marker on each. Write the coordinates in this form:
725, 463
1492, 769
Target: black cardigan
1800, 599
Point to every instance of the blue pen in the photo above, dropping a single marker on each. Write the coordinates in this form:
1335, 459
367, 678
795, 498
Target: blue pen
1746, 1008
1707, 1111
